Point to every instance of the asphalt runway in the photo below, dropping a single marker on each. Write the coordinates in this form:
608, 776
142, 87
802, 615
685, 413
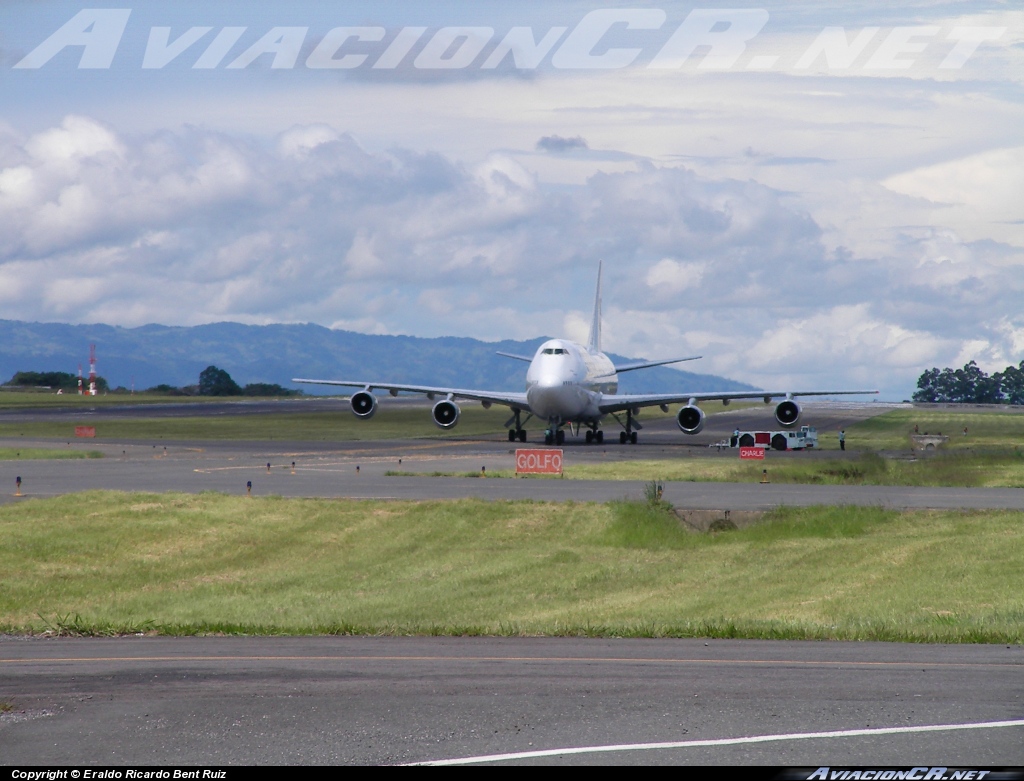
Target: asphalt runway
348, 700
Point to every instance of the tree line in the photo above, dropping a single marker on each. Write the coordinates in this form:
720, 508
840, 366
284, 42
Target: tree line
217, 382
212, 382
63, 380
970, 385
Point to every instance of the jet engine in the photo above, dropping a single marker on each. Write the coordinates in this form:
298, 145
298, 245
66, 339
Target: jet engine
364, 405
445, 414
787, 413
690, 419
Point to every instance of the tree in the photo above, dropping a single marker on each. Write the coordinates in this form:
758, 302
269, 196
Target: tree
938, 386
928, 387
973, 386
1012, 383
969, 385
217, 382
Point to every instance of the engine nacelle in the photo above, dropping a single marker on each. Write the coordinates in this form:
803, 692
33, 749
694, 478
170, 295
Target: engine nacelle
787, 413
364, 404
690, 419
445, 414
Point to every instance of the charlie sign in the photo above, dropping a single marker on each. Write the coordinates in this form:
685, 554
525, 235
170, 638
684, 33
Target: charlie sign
541, 461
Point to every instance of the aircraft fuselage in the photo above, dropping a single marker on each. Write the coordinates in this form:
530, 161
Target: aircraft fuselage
566, 381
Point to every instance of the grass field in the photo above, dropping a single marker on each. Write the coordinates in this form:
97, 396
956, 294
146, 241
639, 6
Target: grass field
44, 453
109, 562
306, 426
994, 468
50, 399
389, 423
891, 431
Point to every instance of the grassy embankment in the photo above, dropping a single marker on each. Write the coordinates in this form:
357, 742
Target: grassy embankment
109, 562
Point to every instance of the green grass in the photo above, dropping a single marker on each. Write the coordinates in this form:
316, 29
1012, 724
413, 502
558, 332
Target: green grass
43, 453
891, 431
390, 422
305, 426
50, 399
98, 563
961, 468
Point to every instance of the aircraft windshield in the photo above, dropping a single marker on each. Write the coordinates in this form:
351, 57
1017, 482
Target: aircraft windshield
555, 351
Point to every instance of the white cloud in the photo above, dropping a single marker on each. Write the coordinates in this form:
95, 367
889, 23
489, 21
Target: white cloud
77, 139
196, 226
988, 186
669, 277
300, 140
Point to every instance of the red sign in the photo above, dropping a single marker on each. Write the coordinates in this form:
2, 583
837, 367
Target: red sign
85, 431
756, 453
545, 462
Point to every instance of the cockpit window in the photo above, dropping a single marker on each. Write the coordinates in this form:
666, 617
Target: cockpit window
555, 351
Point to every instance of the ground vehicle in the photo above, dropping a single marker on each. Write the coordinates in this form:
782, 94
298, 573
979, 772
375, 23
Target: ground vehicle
804, 438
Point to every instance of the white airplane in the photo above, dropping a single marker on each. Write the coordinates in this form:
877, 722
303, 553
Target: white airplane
571, 384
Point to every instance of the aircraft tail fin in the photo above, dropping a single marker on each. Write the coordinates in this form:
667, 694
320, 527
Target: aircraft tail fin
594, 342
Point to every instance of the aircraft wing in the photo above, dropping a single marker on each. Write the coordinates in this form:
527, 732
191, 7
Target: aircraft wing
628, 367
513, 355
515, 400
622, 402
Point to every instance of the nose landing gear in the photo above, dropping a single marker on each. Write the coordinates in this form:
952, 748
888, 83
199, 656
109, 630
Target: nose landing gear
554, 438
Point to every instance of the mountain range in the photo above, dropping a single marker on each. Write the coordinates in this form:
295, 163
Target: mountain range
175, 355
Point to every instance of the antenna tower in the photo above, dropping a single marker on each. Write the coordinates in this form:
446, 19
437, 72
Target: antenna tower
92, 370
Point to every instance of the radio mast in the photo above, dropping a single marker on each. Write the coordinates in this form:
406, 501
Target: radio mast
92, 370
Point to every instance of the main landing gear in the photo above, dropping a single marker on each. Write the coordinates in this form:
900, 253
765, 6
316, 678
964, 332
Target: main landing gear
518, 432
554, 435
629, 435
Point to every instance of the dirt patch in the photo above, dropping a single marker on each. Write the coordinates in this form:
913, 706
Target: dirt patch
718, 520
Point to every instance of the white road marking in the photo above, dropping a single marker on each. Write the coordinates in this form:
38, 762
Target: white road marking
846, 733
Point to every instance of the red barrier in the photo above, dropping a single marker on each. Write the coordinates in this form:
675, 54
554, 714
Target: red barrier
85, 431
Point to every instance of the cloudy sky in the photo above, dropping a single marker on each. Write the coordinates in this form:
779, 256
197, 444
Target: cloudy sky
807, 194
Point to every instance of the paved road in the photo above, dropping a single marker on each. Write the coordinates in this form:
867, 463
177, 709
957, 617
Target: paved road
397, 700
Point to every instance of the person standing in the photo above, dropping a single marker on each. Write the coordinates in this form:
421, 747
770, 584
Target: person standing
842, 439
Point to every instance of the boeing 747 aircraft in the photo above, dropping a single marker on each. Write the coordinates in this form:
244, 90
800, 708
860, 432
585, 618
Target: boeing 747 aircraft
571, 384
